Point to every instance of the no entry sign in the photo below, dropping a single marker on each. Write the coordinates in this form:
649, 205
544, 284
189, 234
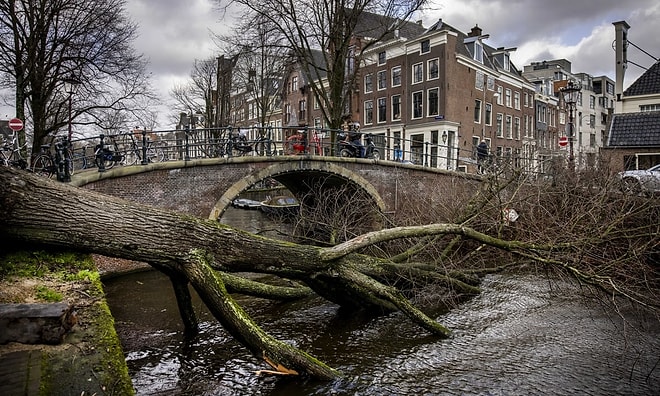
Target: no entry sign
563, 141
15, 124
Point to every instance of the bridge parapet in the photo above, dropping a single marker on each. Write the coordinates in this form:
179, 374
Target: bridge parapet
206, 187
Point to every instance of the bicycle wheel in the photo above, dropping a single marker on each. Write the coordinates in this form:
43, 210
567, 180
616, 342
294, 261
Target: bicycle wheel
43, 165
108, 162
131, 158
69, 156
155, 154
266, 147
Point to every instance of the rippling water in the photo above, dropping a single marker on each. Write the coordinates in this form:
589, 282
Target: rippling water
523, 335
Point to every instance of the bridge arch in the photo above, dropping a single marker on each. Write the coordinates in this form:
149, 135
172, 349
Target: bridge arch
290, 175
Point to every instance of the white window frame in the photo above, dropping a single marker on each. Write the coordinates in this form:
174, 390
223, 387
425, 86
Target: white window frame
396, 72
418, 73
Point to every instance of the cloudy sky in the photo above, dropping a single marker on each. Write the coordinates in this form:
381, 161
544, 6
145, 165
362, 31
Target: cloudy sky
173, 33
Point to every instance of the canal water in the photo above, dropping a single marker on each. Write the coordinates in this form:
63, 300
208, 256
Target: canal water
524, 335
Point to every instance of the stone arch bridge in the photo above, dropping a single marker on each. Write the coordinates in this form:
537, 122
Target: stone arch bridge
206, 187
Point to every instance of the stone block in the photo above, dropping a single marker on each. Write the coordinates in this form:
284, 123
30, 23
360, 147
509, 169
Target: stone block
35, 323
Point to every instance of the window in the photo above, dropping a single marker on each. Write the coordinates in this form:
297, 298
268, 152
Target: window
396, 76
382, 58
433, 69
489, 114
382, 80
287, 113
506, 65
509, 127
369, 112
350, 62
425, 46
516, 128
368, 83
433, 105
417, 105
479, 81
294, 83
507, 97
382, 110
478, 52
302, 110
499, 95
516, 100
477, 111
500, 131
592, 102
418, 73
396, 107
648, 107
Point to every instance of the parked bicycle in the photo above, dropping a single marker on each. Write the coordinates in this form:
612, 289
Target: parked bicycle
10, 152
135, 153
54, 159
107, 155
238, 144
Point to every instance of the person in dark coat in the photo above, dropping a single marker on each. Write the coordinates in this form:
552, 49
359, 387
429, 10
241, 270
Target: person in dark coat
482, 155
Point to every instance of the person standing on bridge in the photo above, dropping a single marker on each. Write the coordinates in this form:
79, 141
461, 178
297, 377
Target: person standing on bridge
482, 155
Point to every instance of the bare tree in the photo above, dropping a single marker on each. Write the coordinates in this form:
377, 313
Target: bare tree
262, 57
327, 39
46, 42
197, 95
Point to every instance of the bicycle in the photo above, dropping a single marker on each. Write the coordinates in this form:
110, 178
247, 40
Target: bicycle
237, 145
106, 156
135, 152
214, 143
61, 163
10, 153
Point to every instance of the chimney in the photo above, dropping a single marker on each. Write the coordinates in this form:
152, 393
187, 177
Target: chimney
475, 32
621, 50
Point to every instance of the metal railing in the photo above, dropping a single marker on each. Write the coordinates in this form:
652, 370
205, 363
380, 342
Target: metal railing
105, 151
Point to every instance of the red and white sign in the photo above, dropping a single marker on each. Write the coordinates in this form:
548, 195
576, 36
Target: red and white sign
15, 124
563, 141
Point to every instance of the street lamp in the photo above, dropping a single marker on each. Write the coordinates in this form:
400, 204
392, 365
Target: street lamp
71, 84
571, 93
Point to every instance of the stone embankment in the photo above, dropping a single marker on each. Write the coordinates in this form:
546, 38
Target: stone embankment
89, 359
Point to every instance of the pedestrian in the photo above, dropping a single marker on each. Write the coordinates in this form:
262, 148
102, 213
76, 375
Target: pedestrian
482, 155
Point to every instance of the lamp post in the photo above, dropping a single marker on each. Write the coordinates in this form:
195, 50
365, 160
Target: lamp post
71, 86
571, 93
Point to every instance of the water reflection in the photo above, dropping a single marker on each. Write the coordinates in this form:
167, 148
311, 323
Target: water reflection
520, 337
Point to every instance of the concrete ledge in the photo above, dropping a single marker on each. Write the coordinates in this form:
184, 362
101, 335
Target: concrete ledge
35, 323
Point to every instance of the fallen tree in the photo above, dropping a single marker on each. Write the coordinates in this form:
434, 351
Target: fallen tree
203, 253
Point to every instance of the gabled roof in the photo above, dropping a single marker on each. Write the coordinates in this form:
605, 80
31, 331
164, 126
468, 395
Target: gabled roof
635, 129
374, 25
647, 84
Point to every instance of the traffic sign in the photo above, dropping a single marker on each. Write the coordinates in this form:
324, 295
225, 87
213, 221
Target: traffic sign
563, 141
16, 124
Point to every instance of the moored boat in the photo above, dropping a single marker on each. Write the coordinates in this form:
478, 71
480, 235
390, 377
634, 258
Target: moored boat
244, 203
280, 205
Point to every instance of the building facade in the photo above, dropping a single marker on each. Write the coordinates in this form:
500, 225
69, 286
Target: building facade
591, 114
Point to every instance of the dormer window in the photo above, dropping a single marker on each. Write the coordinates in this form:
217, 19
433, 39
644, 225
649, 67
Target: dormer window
506, 62
478, 51
382, 58
425, 46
